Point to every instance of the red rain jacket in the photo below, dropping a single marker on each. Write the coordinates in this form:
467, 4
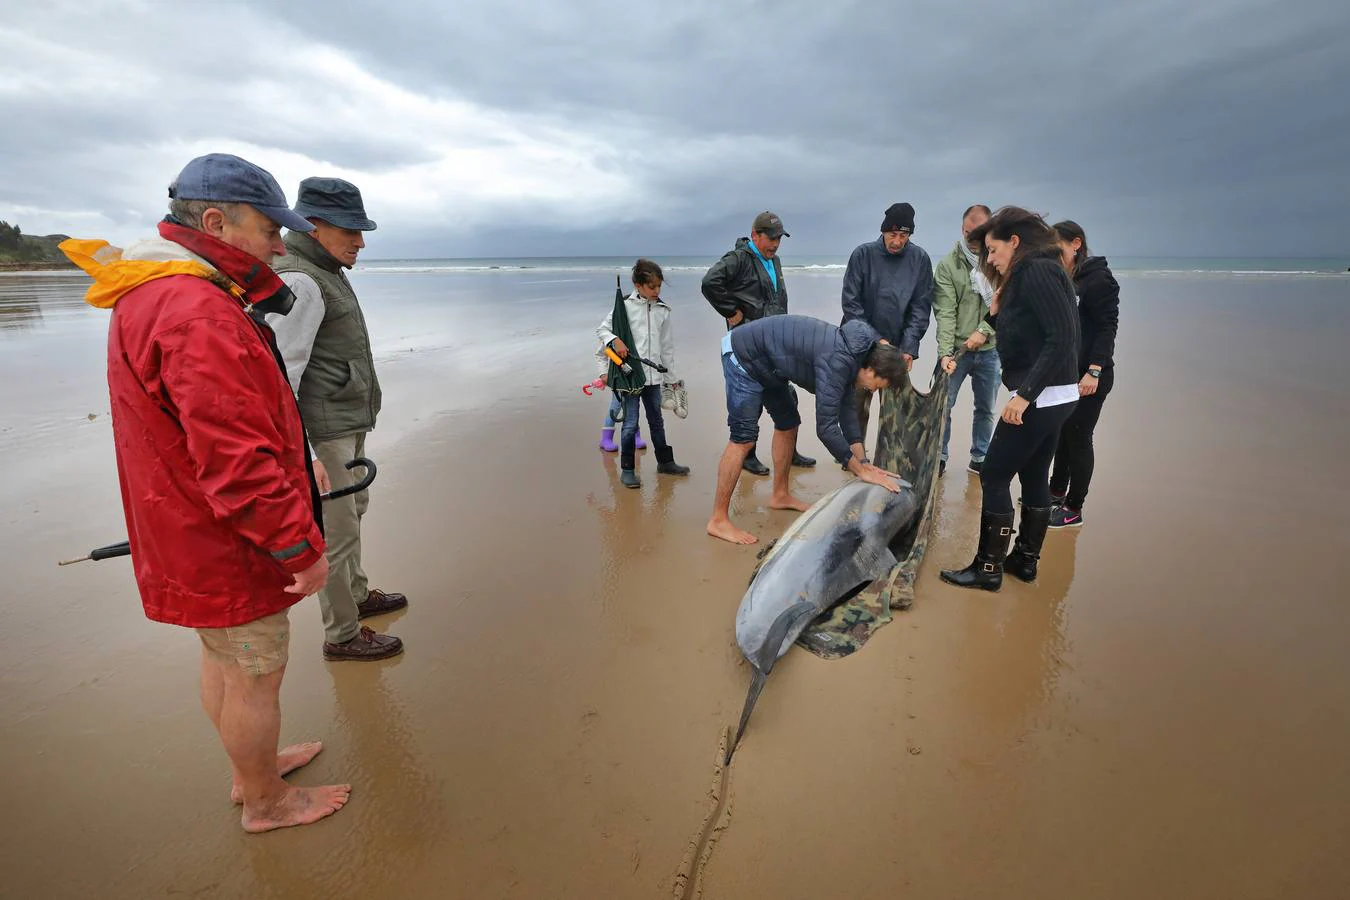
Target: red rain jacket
217, 487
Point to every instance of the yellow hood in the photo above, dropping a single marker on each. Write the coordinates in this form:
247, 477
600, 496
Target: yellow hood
114, 275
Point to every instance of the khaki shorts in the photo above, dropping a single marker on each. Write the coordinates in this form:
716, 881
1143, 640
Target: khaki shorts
260, 647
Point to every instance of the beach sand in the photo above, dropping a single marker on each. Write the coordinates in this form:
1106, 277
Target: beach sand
1165, 714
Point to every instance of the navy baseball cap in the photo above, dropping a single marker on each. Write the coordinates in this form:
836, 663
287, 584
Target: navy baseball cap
229, 179
335, 201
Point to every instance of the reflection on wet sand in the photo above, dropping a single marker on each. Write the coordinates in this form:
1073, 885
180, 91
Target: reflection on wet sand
1171, 694
19, 311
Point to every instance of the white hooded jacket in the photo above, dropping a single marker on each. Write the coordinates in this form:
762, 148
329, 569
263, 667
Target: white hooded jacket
652, 338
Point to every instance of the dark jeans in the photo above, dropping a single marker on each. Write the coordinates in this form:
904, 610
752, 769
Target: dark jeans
984, 370
1025, 451
747, 398
1075, 459
656, 425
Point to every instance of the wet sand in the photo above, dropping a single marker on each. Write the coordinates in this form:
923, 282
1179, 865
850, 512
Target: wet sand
1165, 714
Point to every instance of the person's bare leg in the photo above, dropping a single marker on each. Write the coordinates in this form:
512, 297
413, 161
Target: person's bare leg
213, 698
250, 723
784, 445
728, 472
289, 758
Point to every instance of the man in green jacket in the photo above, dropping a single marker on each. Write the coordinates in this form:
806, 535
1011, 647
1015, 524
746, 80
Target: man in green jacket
960, 303
326, 346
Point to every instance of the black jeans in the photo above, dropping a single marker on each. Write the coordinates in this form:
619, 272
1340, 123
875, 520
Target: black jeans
1075, 459
656, 424
1025, 451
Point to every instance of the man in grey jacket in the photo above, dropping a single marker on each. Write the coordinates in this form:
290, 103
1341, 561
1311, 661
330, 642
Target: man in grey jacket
761, 360
326, 346
889, 285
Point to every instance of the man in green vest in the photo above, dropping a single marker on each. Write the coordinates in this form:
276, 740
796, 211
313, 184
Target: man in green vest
328, 360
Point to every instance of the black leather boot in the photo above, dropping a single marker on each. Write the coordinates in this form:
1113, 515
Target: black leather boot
986, 571
753, 465
666, 464
1021, 563
802, 462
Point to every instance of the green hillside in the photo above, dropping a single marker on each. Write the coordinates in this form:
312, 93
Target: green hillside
22, 251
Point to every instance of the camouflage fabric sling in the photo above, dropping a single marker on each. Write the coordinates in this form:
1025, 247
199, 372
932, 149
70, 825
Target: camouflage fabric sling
909, 443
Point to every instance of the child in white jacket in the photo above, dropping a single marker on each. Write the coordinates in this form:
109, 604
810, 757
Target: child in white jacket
649, 320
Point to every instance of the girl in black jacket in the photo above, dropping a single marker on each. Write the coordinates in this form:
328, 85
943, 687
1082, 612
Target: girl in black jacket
1036, 320
1098, 316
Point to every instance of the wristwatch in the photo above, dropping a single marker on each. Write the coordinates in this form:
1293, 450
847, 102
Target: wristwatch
1095, 373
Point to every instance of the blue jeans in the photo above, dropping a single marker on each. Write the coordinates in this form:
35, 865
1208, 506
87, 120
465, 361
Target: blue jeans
746, 398
656, 424
984, 370
613, 408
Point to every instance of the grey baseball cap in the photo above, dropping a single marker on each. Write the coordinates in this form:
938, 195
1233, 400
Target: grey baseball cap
769, 223
229, 179
335, 201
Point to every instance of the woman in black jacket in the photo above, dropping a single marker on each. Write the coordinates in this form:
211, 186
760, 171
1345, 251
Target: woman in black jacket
1098, 317
1036, 319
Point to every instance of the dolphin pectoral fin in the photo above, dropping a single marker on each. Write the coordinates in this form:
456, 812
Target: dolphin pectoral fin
756, 685
877, 564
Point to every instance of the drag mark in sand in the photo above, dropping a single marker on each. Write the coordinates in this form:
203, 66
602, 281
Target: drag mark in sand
689, 881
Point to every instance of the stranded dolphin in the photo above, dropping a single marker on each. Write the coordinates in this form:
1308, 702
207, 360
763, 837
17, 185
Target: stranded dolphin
834, 549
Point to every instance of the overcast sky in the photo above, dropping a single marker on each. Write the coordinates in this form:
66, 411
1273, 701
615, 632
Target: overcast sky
590, 127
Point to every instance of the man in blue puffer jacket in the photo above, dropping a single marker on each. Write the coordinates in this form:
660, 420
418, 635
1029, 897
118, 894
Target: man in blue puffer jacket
760, 360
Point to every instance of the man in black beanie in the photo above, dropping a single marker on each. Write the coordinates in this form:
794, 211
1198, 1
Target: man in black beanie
889, 285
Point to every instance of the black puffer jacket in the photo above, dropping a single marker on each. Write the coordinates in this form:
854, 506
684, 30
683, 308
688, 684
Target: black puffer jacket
1098, 313
1037, 325
817, 357
738, 281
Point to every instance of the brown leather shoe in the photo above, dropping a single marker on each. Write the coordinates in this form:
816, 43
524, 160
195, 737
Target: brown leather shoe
366, 645
378, 603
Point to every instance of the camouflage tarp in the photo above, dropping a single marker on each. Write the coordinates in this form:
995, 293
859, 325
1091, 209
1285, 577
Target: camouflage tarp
909, 443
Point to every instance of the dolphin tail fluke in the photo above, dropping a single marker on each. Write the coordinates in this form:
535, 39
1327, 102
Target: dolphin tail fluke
756, 685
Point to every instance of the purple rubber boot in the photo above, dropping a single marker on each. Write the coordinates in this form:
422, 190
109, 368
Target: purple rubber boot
640, 444
607, 440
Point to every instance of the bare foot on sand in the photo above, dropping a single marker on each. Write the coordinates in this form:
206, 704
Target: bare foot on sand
789, 502
722, 528
288, 760
299, 806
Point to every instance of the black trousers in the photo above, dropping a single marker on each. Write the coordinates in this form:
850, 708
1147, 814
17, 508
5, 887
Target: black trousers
1074, 458
1025, 451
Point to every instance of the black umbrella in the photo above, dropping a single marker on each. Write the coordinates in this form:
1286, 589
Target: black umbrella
124, 548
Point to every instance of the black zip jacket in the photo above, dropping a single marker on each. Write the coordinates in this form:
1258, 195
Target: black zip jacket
738, 281
1098, 313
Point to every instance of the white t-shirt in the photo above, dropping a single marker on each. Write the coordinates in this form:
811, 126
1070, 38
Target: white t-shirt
1055, 395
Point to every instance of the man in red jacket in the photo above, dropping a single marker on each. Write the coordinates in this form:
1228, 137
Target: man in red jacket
221, 505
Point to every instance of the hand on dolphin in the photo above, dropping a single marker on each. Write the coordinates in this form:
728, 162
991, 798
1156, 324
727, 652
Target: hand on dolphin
874, 475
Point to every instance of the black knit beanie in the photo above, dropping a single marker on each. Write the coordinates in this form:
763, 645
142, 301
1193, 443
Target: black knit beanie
900, 215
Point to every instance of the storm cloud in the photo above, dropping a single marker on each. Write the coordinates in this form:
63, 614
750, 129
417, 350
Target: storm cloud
512, 128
